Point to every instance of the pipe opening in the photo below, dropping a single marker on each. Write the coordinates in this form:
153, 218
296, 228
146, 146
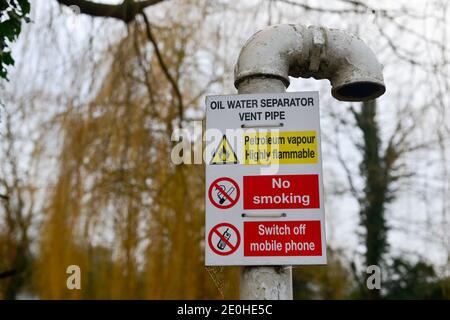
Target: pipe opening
359, 91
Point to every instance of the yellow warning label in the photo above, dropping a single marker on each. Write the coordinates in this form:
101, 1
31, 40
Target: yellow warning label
224, 154
289, 147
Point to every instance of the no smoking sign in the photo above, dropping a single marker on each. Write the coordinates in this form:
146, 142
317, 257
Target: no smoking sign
224, 193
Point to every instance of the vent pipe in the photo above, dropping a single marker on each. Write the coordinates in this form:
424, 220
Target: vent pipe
281, 51
265, 63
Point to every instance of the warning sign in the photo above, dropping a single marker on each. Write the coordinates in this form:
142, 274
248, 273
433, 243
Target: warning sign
224, 239
263, 191
224, 193
224, 153
284, 148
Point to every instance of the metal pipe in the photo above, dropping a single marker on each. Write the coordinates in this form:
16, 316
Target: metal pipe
266, 283
264, 65
274, 282
281, 51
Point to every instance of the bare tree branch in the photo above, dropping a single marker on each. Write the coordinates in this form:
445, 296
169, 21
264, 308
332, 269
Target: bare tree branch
164, 67
126, 11
4, 197
307, 7
8, 273
355, 193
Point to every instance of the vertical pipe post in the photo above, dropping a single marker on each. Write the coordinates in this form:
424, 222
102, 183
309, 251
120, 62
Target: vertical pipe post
264, 282
268, 58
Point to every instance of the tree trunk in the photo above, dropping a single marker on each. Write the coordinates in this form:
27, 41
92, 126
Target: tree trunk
375, 193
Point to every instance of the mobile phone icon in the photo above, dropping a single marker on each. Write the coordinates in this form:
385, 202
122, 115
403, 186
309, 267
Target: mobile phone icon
221, 245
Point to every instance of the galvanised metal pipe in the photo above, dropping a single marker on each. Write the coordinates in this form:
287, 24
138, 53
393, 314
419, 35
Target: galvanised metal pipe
264, 65
281, 51
265, 282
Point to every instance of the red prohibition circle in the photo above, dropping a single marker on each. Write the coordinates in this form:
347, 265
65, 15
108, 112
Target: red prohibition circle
232, 201
215, 230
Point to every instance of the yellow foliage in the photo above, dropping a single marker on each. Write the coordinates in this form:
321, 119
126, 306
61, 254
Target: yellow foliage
132, 220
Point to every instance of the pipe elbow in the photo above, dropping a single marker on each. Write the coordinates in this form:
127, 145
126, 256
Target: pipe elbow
354, 71
281, 51
271, 52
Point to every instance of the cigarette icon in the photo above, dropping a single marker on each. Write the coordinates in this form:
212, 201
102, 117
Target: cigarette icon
221, 191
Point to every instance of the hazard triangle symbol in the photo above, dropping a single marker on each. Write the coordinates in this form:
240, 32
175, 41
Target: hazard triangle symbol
224, 154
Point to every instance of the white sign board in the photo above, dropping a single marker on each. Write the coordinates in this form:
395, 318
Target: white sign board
264, 190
